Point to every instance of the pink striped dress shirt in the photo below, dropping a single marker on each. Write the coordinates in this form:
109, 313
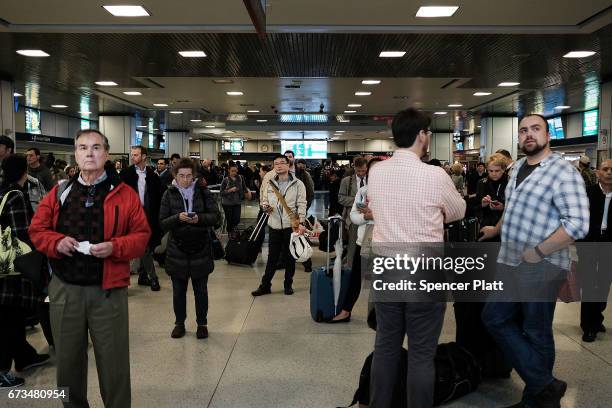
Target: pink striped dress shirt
411, 200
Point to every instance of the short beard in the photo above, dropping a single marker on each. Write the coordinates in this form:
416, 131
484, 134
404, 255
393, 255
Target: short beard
535, 151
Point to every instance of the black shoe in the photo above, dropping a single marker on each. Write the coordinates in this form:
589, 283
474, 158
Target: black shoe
143, 280
602, 329
261, 291
155, 285
589, 336
178, 332
289, 290
308, 269
38, 360
202, 332
8, 380
343, 320
550, 396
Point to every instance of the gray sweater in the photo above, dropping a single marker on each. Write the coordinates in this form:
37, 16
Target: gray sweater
236, 197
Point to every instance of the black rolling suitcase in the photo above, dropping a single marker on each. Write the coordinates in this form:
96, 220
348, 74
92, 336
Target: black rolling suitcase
243, 248
465, 230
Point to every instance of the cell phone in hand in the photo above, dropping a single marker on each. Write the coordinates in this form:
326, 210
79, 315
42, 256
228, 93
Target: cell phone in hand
361, 205
191, 214
495, 203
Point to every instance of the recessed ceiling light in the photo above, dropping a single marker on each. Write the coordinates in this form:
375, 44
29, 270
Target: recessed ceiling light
59, 106
354, 105
234, 93
436, 11
392, 54
562, 107
350, 111
370, 81
340, 131
127, 11
440, 113
363, 93
210, 126
579, 54
262, 120
253, 111
192, 54
106, 83
455, 105
160, 105
195, 120
482, 93
142, 126
132, 93
176, 112
32, 53
223, 81
509, 84
17, 94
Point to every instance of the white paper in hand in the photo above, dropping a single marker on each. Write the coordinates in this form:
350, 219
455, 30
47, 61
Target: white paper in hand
84, 247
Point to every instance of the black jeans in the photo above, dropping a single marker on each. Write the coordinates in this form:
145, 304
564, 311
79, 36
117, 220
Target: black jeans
179, 300
278, 242
355, 282
13, 343
232, 216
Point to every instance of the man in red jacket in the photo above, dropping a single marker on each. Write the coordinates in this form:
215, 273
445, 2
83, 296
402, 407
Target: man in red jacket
90, 228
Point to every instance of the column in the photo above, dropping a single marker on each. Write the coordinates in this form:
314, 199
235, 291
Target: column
499, 133
120, 131
208, 150
605, 115
177, 142
7, 109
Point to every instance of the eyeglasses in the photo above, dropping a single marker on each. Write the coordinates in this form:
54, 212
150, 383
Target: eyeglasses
91, 192
185, 176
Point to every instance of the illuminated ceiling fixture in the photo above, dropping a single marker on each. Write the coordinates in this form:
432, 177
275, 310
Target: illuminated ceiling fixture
262, 120
176, 112
436, 11
303, 118
237, 117
482, 93
340, 131
370, 81
85, 113
234, 93
59, 106
508, 84
342, 119
210, 126
32, 53
160, 105
106, 83
127, 11
354, 105
363, 93
440, 113
579, 54
17, 94
195, 120
222, 81
455, 105
350, 111
252, 111
562, 107
132, 93
192, 54
392, 54
142, 126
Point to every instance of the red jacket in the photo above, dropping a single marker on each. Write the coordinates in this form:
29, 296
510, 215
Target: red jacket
125, 225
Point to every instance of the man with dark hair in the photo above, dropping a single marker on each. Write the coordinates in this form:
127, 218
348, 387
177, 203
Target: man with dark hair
346, 196
410, 202
164, 173
38, 170
508, 156
90, 227
7, 147
174, 160
147, 184
290, 154
547, 209
474, 176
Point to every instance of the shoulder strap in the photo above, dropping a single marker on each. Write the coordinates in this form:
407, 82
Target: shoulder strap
281, 199
5, 198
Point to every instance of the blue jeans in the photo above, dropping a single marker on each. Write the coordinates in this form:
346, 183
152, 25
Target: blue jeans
179, 300
523, 330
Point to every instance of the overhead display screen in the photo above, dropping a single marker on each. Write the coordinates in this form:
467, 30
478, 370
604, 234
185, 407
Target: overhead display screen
32, 119
590, 123
555, 126
306, 149
236, 146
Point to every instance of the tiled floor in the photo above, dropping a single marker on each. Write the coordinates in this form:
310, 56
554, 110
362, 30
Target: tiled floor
267, 352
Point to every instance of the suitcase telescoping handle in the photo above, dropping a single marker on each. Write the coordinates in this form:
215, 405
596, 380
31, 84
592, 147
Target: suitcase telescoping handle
260, 223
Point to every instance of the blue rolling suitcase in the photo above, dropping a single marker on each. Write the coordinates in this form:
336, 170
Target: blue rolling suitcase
323, 303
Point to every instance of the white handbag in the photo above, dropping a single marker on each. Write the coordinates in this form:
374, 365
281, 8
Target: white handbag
10, 246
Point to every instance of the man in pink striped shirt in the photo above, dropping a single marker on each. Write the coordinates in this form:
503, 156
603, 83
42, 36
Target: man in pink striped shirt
410, 202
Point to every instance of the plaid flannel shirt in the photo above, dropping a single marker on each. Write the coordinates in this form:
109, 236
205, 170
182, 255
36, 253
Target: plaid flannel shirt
17, 213
552, 196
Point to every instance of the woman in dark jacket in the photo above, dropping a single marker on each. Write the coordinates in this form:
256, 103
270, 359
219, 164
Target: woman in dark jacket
188, 211
16, 292
490, 192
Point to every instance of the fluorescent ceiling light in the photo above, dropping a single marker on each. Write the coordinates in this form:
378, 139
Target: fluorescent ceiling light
192, 54
482, 93
155, 129
106, 83
17, 94
363, 93
478, 126
32, 53
350, 111
85, 113
253, 111
59, 106
506, 84
160, 105
440, 113
340, 131
234, 93
127, 11
562, 107
455, 105
132, 93
579, 54
262, 120
370, 81
354, 105
392, 54
176, 112
195, 120
142, 126
210, 126
436, 11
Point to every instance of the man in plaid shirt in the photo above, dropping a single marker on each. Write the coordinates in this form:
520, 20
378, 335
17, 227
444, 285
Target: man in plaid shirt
546, 210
